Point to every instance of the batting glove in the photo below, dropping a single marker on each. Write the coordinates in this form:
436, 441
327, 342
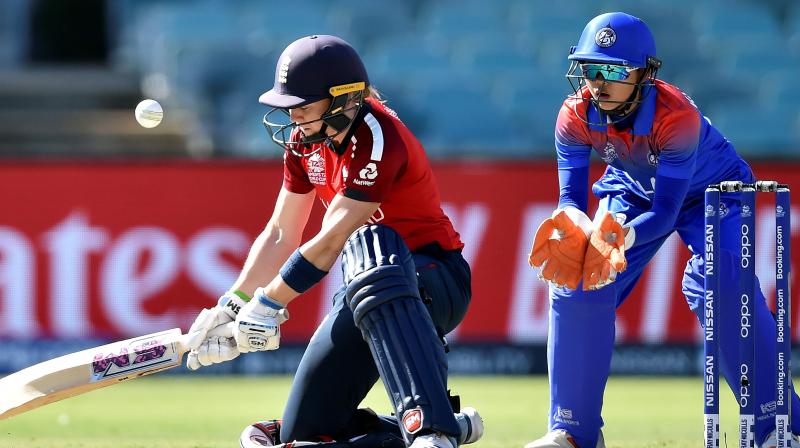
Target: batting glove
257, 326
559, 247
210, 350
214, 350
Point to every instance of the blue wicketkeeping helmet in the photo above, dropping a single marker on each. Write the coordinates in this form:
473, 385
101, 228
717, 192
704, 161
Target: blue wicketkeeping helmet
611, 46
616, 38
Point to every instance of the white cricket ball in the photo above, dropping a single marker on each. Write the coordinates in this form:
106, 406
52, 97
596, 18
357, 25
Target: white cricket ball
63, 419
149, 113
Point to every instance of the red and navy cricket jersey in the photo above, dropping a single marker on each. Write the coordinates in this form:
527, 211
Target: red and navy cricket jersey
382, 162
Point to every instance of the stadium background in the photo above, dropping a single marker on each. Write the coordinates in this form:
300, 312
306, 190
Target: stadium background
110, 231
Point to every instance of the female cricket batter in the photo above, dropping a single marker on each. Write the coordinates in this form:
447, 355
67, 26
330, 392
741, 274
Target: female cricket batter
405, 282
661, 153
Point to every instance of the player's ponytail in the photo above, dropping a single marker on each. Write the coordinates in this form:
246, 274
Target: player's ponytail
375, 94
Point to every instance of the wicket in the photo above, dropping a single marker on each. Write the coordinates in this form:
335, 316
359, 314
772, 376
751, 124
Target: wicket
747, 294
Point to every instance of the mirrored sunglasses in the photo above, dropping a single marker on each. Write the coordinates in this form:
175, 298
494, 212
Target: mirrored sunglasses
610, 72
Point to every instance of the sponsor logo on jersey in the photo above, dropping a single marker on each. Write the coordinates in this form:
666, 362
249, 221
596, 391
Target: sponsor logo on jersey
605, 37
367, 175
377, 217
316, 169
391, 112
345, 173
412, 420
609, 153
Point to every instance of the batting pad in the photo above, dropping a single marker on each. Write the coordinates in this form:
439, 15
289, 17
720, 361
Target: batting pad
383, 294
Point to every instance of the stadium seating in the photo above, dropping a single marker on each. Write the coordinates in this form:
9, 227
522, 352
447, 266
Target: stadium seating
13, 32
471, 77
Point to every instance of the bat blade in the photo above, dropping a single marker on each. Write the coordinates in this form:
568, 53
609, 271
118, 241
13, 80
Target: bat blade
87, 370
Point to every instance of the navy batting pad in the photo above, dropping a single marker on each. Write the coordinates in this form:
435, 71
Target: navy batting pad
382, 291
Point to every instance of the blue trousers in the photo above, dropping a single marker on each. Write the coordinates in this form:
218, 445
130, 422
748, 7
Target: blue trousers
581, 334
337, 370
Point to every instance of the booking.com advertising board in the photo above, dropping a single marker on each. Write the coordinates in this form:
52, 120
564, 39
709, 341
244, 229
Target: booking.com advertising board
97, 251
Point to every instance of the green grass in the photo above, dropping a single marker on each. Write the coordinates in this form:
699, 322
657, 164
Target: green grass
210, 412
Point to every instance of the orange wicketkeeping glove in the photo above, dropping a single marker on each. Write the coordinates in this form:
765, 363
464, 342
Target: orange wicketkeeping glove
561, 255
605, 254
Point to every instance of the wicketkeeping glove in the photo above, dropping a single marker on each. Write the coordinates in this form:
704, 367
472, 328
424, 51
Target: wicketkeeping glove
605, 254
559, 247
257, 326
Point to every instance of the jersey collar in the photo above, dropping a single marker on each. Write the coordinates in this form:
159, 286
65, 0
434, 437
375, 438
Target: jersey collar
643, 122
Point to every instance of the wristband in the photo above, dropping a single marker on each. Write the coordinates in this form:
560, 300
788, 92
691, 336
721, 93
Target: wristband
266, 300
228, 302
242, 295
299, 273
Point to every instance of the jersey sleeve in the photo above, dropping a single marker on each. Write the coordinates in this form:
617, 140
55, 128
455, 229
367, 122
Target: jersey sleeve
378, 159
573, 151
667, 200
295, 178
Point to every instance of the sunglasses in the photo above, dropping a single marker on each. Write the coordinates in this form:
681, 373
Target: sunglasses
610, 72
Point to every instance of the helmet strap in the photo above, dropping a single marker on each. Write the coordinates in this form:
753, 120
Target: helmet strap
335, 116
631, 104
317, 136
628, 106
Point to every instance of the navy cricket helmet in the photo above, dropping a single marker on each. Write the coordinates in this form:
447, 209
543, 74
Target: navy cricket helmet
311, 69
611, 46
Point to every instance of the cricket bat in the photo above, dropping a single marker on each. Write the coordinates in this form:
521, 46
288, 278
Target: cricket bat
87, 370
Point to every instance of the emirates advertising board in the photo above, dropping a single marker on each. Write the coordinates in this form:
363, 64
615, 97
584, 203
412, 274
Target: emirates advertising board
94, 251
